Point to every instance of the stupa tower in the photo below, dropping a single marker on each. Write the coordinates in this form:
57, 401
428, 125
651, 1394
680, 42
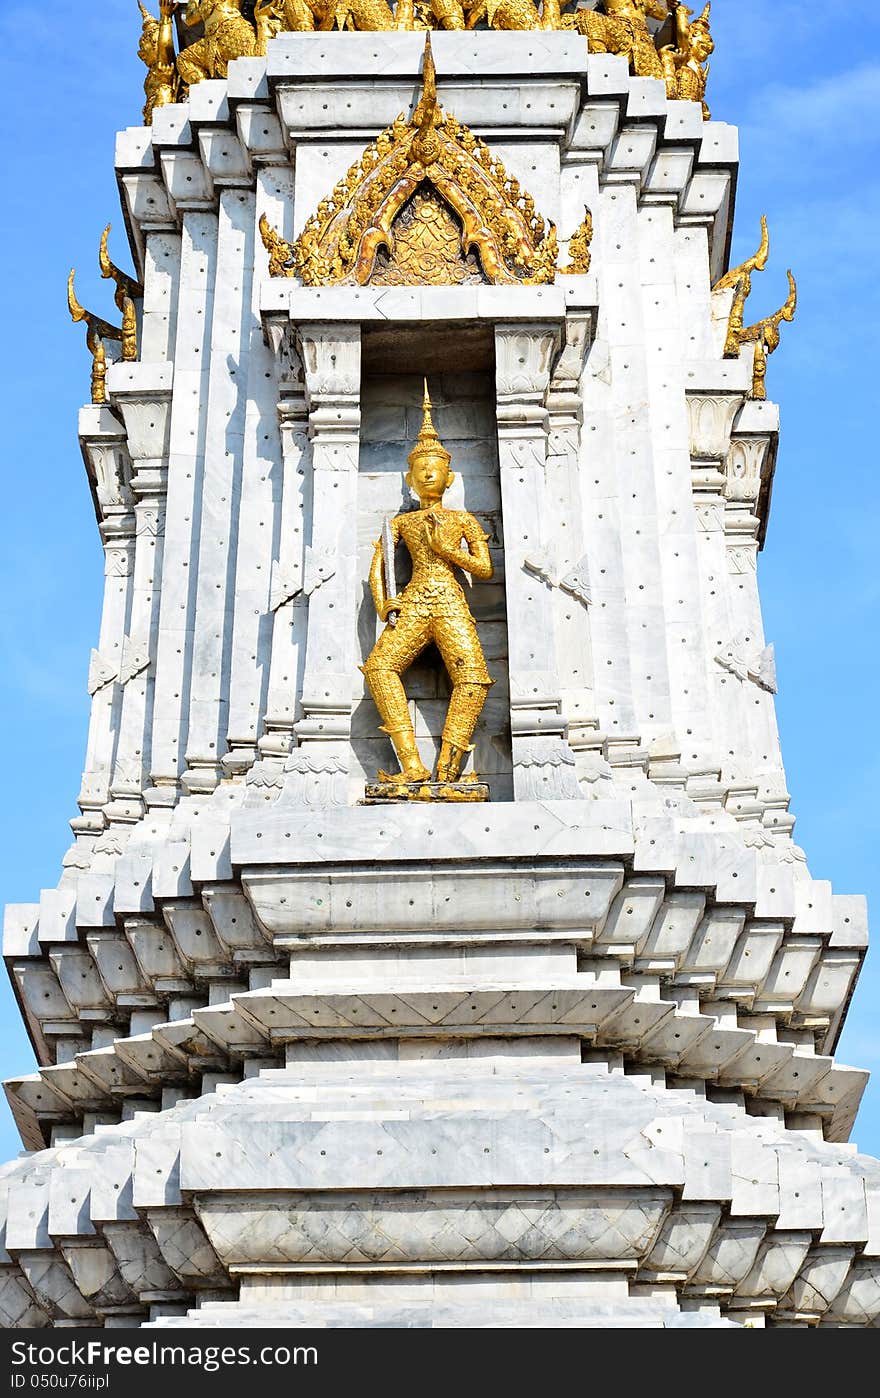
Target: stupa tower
433, 947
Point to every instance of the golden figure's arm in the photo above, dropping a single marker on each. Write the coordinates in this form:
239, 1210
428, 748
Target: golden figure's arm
377, 578
475, 559
165, 48
682, 28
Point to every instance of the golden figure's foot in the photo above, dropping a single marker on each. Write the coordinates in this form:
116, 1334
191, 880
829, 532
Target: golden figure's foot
413, 768
451, 760
415, 772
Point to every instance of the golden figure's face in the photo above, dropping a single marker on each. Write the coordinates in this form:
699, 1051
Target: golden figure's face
148, 45
702, 45
429, 476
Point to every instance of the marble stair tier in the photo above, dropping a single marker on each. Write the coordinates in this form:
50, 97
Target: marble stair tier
353, 1187
680, 949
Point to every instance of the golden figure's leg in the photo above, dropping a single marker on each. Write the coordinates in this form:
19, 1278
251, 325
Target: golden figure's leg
194, 62
459, 644
449, 13
393, 653
465, 707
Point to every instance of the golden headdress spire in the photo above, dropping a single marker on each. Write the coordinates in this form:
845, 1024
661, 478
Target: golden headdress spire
428, 443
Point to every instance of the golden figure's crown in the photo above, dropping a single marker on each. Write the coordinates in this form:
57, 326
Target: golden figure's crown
428, 443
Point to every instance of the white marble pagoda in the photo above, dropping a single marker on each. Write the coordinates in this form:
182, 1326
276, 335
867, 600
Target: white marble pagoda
566, 1058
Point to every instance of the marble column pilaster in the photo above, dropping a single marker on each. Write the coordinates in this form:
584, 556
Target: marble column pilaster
104, 447
543, 762
142, 395
287, 601
316, 771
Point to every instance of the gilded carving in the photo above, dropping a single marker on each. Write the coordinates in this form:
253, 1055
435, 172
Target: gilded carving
740, 280
127, 292
419, 186
765, 336
427, 247
97, 329
579, 255
431, 608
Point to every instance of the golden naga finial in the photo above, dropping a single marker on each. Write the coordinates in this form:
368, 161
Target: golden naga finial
756, 263
766, 337
279, 250
579, 247
741, 278
98, 330
127, 292
426, 145
126, 286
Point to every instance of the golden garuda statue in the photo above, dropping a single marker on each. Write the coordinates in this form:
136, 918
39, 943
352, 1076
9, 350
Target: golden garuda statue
432, 607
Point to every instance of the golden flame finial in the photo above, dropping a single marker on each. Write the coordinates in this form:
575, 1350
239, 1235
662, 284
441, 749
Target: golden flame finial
428, 443
426, 146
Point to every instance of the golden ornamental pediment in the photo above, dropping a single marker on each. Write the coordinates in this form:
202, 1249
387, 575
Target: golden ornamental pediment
427, 203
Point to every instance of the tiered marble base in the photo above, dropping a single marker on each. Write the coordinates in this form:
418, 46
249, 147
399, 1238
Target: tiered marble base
488, 1183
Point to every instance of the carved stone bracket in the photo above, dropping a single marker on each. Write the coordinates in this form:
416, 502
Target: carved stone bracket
712, 416
749, 469
749, 662
108, 465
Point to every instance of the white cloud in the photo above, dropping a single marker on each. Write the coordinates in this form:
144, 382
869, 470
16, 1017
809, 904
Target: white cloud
840, 108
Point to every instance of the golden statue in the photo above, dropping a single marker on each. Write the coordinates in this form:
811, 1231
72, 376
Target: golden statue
228, 35
505, 14
156, 50
623, 28
686, 63
432, 607
619, 27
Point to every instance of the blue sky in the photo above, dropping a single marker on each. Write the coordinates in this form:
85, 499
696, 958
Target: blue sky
810, 143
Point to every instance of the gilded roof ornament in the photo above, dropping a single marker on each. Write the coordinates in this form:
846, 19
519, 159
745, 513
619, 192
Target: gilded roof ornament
764, 334
579, 252
97, 329
631, 28
415, 183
